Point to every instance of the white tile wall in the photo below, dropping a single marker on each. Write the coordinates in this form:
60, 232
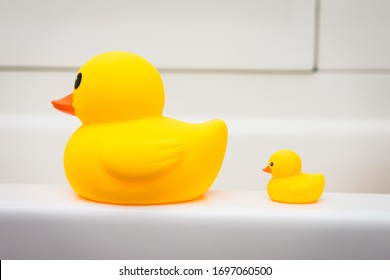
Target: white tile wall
354, 34
324, 95
245, 34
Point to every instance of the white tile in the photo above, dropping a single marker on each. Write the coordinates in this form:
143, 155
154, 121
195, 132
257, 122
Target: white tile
247, 34
321, 95
301, 96
354, 34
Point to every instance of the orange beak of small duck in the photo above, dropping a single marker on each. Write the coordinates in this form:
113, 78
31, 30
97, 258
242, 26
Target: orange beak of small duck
267, 169
65, 104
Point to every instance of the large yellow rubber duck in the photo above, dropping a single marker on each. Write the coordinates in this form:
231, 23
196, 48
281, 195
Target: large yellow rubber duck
288, 183
125, 151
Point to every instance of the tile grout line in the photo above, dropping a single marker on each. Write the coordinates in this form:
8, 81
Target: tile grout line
66, 69
316, 51
30, 68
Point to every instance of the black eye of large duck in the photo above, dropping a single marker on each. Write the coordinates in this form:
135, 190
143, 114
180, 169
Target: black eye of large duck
77, 82
271, 164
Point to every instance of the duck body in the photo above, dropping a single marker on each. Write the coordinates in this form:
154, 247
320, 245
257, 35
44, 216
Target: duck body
288, 184
148, 161
301, 188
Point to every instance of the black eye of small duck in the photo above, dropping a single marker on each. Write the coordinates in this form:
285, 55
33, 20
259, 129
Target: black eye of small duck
77, 82
271, 164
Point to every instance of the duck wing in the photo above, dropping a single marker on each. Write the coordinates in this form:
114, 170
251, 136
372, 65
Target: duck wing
131, 158
304, 184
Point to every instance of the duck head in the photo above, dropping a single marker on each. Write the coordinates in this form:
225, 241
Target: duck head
284, 163
112, 87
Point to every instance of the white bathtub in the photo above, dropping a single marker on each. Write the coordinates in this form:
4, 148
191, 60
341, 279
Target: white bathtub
51, 222
41, 217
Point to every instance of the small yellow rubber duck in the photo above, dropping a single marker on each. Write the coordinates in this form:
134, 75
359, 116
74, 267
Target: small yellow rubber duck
125, 151
288, 183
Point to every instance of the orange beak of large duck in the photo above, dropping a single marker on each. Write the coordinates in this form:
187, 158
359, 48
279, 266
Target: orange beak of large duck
267, 169
65, 104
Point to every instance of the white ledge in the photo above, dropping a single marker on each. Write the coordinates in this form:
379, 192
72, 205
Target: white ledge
52, 222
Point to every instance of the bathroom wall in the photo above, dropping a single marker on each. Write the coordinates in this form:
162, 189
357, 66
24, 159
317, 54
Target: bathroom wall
313, 76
